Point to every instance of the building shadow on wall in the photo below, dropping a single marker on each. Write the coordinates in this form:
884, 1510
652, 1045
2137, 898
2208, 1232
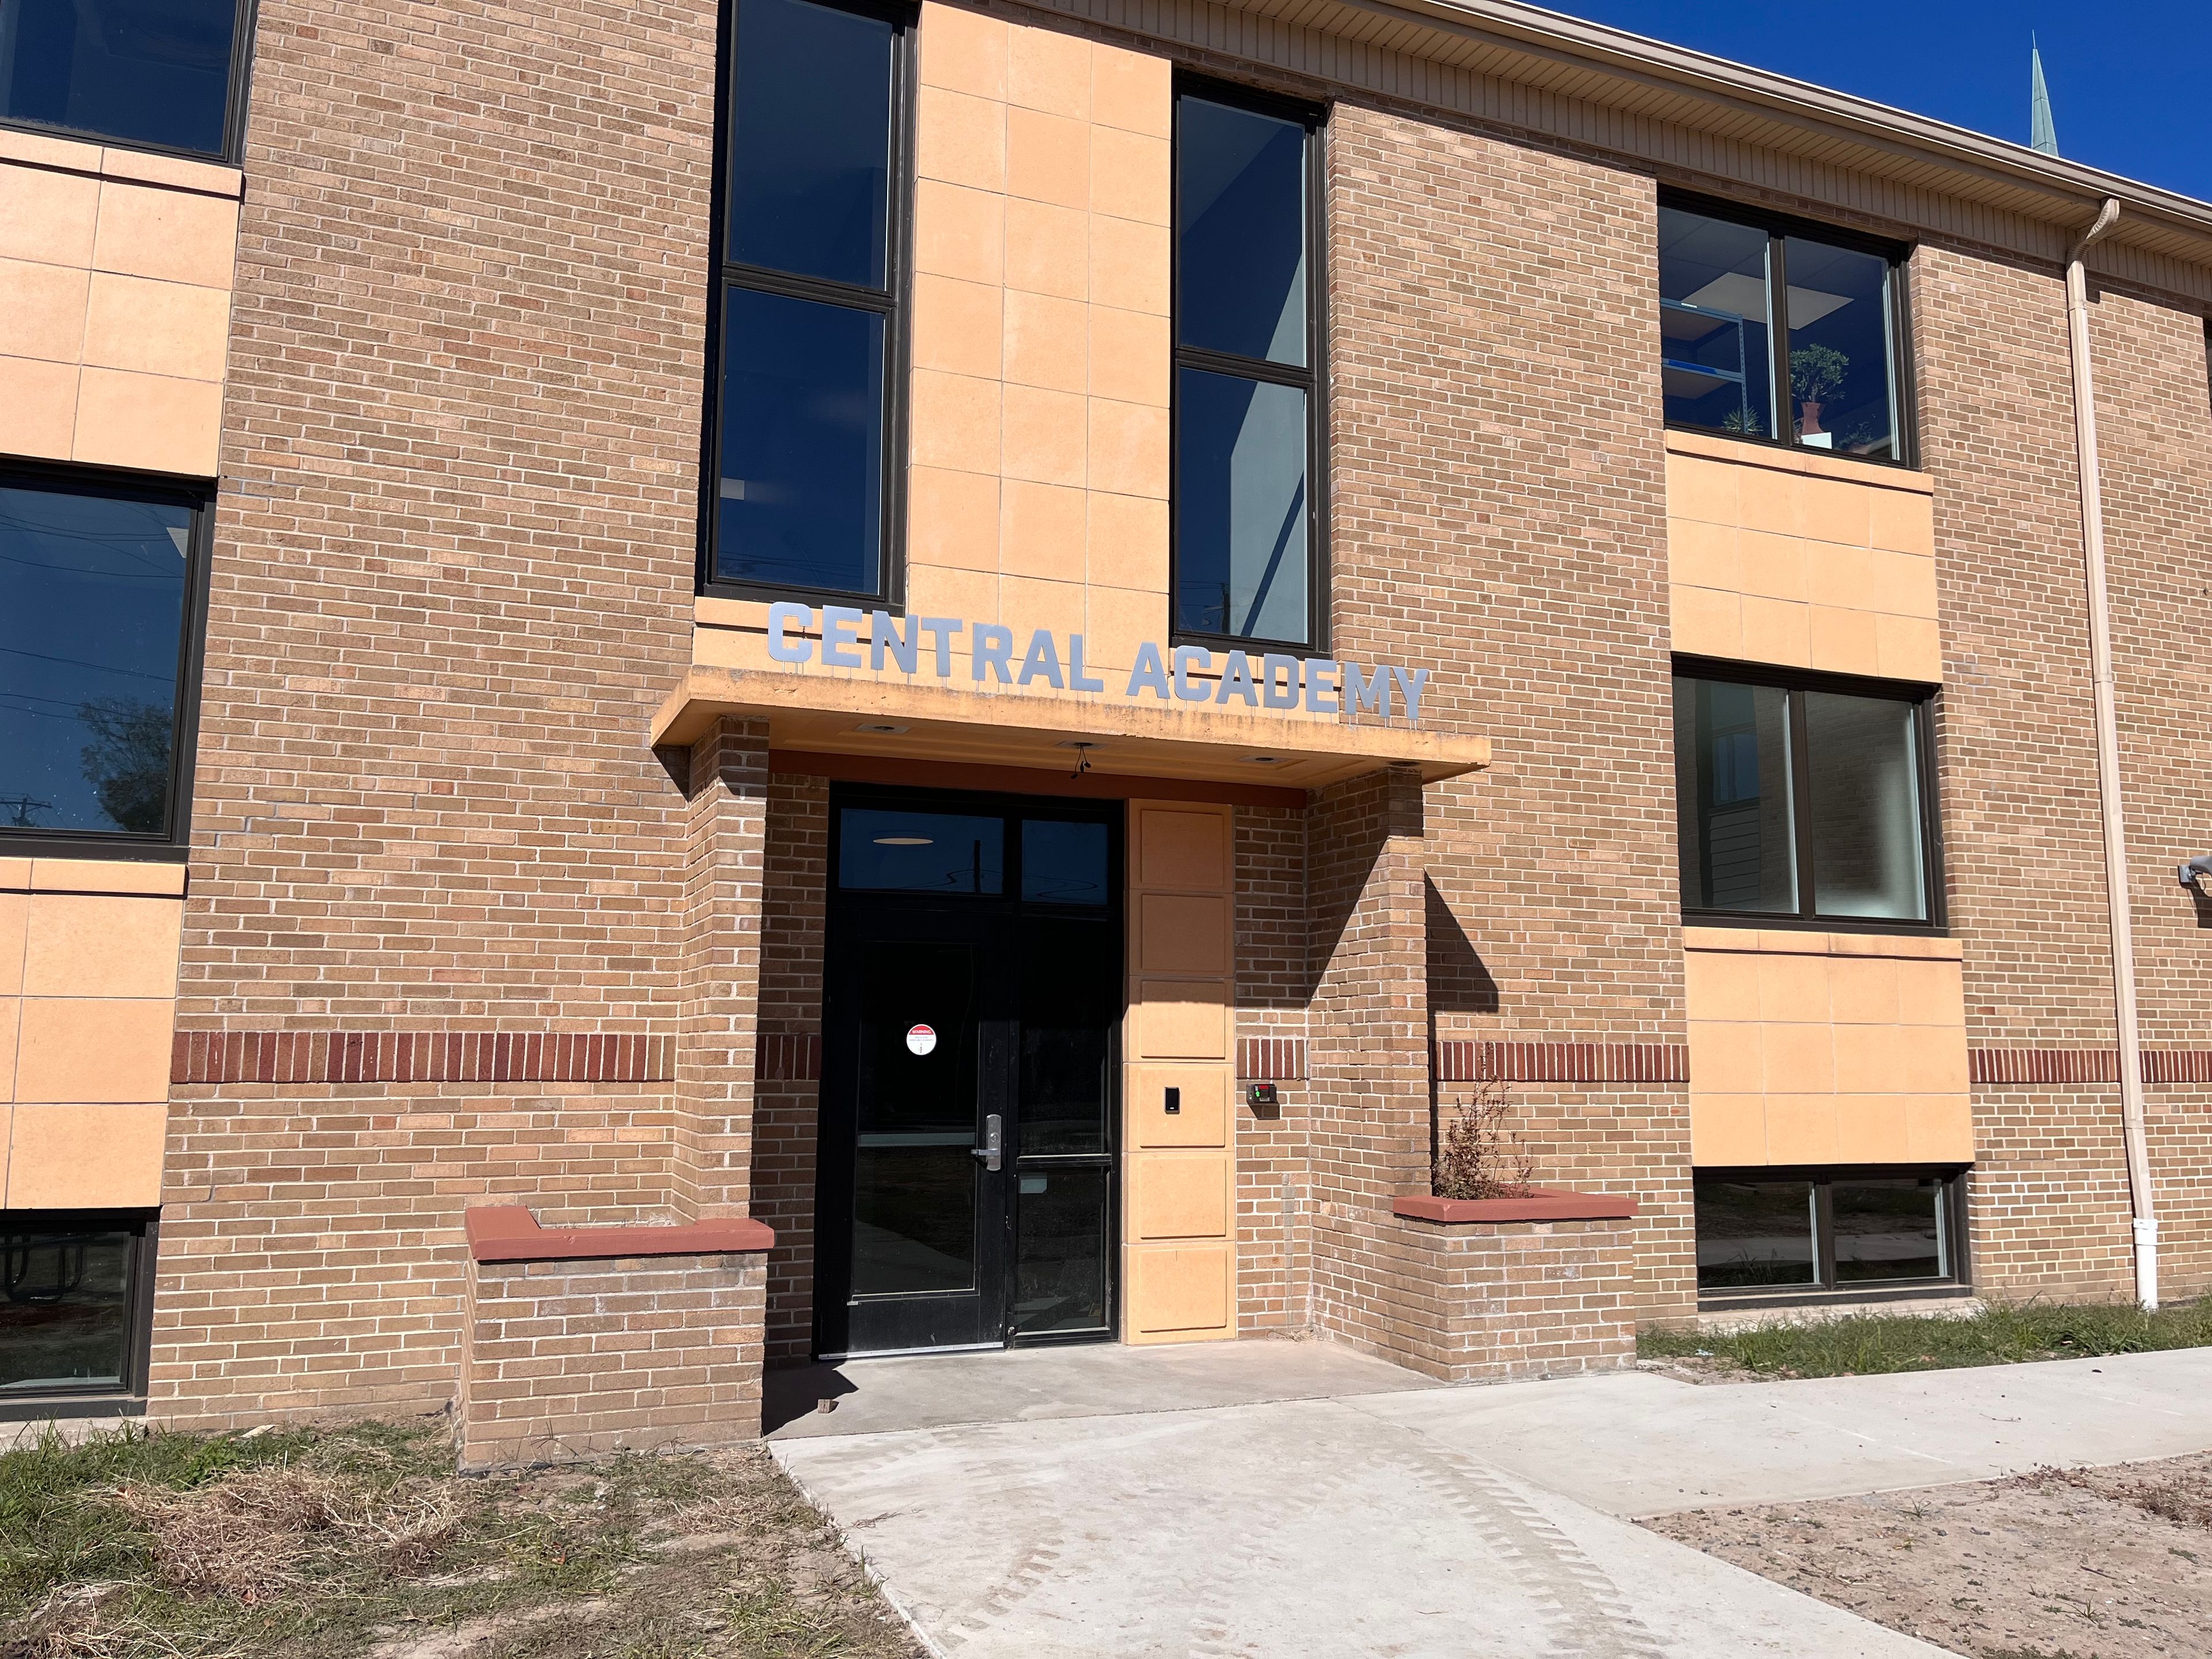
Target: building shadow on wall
1458, 980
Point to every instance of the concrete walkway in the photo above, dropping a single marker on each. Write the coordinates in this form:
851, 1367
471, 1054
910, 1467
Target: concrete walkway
1274, 1499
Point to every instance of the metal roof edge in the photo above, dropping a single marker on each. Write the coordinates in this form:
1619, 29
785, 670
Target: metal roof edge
2076, 191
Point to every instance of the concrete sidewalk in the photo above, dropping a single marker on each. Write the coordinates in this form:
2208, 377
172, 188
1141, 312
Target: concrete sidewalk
1390, 1515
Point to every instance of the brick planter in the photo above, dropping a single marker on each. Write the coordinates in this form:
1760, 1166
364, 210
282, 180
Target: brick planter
588, 1340
1519, 1287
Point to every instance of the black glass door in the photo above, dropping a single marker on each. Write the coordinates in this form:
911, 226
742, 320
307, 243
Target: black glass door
973, 997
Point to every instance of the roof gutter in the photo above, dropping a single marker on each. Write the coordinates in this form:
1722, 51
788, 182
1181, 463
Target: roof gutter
2144, 1212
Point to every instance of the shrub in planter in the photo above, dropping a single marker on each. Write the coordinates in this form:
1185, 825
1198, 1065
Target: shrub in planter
1479, 1152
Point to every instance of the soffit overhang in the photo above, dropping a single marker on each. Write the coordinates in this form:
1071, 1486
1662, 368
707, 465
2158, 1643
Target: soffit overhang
1647, 80
899, 719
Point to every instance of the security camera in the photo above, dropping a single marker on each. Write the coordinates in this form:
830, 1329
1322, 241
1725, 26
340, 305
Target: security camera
2190, 873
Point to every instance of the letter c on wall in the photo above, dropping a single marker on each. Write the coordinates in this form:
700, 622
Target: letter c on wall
782, 616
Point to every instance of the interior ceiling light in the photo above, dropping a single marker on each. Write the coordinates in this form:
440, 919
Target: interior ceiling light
904, 841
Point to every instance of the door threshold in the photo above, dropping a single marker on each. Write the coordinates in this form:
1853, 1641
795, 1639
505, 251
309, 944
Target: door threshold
911, 1353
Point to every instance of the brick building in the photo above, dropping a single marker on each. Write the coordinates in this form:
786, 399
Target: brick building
696, 685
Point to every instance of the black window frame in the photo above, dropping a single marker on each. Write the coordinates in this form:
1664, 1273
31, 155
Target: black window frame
95, 1399
1923, 697
245, 14
1779, 227
1312, 378
173, 844
1826, 1287
894, 303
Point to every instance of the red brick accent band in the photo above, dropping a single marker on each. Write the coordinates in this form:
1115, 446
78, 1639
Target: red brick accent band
2080, 1065
1541, 1204
1468, 1061
787, 1057
420, 1057
2177, 1065
1270, 1060
509, 1232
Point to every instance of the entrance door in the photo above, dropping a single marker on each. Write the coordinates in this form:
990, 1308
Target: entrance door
973, 996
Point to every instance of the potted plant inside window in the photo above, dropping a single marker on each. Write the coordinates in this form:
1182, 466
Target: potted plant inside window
1816, 374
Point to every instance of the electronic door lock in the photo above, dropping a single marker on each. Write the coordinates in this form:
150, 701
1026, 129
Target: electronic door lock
1172, 1105
992, 1152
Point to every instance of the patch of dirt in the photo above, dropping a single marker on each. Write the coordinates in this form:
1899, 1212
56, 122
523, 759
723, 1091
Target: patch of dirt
341, 1549
2074, 1563
1708, 1368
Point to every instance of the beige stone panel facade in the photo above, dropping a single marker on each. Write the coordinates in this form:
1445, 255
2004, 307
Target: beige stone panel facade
89, 954
1179, 1151
1809, 1048
116, 272
1800, 560
1042, 356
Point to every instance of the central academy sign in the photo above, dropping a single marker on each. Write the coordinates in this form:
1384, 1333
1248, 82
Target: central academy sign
1321, 685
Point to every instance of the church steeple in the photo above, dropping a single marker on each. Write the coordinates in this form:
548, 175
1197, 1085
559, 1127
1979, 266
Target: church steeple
2042, 135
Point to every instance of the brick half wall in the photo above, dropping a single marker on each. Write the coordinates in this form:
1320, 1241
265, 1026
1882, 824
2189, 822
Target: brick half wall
575, 1359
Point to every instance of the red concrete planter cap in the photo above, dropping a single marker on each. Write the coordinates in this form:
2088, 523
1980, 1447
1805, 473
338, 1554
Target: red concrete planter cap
1542, 1204
509, 1232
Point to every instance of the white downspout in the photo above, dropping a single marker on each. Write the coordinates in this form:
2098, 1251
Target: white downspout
2108, 763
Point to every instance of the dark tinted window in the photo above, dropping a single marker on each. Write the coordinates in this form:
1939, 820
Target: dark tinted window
921, 852
1840, 335
811, 301
1240, 506
1825, 1232
1732, 784
802, 442
1241, 231
1888, 1229
811, 141
1755, 1233
1864, 762
1791, 801
154, 72
1725, 287
1245, 515
1716, 359
1064, 863
64, 1318
93, 592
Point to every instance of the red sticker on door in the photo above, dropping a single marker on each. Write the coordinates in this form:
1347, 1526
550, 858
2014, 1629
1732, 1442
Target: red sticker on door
920, 1039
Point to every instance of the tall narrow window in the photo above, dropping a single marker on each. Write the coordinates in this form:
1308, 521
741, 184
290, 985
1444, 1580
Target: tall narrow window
805, 452
1768, 333
98, 585
1247, 520
1804, 802
154, 74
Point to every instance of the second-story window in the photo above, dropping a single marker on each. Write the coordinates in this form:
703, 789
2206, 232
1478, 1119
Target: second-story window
163, 75
1806, 800
100, 591
1777, 331
805, 453
1246, 471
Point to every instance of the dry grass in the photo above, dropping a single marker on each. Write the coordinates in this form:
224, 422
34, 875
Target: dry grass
363, 1542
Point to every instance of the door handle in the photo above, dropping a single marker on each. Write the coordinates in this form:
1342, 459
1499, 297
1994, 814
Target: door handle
993, 1144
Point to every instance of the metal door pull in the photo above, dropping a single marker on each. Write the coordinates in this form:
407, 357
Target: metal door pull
994, 1143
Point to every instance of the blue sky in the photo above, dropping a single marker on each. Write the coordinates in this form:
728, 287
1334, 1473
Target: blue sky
2128, 82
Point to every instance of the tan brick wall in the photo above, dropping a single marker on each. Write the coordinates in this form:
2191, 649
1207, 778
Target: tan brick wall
1273, 985
1498, 509
574, 1359
1501, 1302
2023, 861
452, 578
786, 1110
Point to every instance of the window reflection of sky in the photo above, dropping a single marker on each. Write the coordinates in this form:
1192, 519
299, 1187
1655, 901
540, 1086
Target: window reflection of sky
92, 594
